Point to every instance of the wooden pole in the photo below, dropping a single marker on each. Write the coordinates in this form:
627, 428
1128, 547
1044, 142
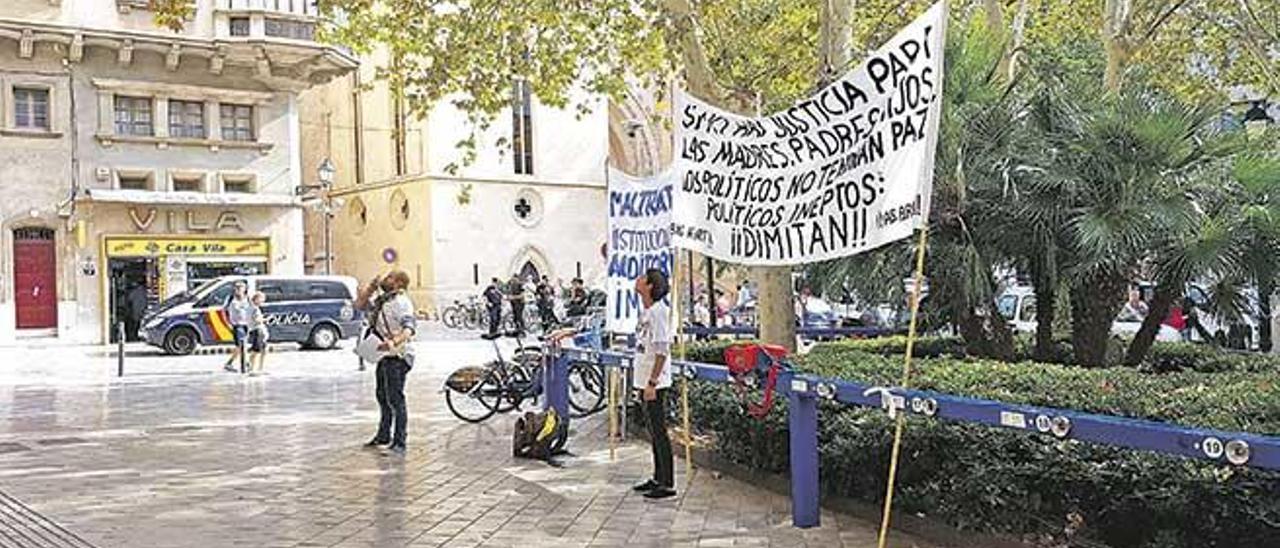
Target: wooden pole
906, 377
613, 413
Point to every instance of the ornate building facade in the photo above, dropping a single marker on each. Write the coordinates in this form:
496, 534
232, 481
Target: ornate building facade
132, 156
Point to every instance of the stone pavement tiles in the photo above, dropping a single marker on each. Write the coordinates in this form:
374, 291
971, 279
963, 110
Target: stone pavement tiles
203, 459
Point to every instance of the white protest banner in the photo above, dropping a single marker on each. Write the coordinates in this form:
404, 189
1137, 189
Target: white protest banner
844, 171
639, 239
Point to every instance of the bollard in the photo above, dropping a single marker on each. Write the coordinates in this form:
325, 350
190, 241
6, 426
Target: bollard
244, 362
555, 379
803, 429
120, 349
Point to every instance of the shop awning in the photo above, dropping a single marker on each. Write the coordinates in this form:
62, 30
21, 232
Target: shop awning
150, 197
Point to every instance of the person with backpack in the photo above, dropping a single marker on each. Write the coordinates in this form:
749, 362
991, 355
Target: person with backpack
493, 300
391, 319
515, 294
652, 373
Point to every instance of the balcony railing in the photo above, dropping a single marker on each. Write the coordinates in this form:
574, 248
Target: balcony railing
293, 19
302, 8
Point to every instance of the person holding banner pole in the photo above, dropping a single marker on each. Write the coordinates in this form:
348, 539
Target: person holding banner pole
653, 373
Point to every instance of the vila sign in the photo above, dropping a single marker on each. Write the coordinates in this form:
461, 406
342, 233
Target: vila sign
190, 221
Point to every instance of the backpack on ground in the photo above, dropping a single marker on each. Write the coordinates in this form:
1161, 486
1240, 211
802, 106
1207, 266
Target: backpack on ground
540, 436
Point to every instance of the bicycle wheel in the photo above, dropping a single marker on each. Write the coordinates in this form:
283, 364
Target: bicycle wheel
586, 389
450, 317
472, 406
512, 392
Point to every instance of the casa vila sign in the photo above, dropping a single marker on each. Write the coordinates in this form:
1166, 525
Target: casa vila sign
186, 220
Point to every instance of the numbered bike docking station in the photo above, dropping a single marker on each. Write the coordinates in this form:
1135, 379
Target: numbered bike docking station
760, 368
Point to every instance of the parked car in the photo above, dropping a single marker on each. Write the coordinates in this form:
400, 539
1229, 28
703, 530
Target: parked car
1018, 305
818, 314
316, 311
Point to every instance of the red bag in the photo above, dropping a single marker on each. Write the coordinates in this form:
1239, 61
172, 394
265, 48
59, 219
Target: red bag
747, 363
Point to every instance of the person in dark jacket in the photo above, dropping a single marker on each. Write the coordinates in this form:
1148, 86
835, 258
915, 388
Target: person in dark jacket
136, 301
493, 299
546, 305
577, 305
515, 294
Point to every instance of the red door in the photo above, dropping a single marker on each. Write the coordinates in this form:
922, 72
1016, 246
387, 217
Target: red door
34, 278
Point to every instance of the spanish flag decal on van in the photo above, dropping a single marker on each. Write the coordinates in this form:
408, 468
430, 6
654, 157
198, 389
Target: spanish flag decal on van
219, 325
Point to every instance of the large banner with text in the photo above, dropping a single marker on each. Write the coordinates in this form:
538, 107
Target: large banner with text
844, 171
639, 239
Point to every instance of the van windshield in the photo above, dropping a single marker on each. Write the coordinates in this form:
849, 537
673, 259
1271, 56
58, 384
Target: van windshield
181, 298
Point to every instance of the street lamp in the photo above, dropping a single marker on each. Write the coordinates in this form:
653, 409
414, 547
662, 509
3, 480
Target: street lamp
324, 174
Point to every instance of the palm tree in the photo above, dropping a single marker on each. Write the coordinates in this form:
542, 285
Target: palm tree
1119, 166
1258, 176
979, 127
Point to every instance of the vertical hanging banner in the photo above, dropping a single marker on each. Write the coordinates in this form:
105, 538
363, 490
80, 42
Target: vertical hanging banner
639, 239
844, 171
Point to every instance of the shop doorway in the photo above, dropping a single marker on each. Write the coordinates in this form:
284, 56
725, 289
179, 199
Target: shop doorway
35, 280
135, 289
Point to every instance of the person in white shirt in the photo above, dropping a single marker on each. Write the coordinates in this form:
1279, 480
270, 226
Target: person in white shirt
240, 316
391, 317
652, 374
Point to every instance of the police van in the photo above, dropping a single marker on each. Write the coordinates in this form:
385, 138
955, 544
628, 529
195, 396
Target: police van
315, 311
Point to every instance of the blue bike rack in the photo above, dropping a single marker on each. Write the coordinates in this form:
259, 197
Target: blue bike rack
804, 391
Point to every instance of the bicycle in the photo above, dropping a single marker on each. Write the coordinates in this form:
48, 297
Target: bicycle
475, 393
468, 315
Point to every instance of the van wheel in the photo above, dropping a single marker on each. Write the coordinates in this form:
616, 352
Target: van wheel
323, 337
181, 341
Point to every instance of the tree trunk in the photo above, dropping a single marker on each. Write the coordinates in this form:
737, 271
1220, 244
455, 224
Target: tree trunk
1001, 336
1045, 287
1266, 288
1016, 40
1094, 303
994, 13
1166, 293
776, 303
973, 333
699, 79
1116, 28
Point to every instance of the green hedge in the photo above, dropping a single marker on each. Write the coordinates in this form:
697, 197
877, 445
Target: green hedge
1166, 357
925, 347
1002, 481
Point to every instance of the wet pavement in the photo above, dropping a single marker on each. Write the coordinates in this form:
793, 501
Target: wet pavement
179, 453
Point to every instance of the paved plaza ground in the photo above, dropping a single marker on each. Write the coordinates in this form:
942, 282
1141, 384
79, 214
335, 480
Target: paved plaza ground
181, 454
